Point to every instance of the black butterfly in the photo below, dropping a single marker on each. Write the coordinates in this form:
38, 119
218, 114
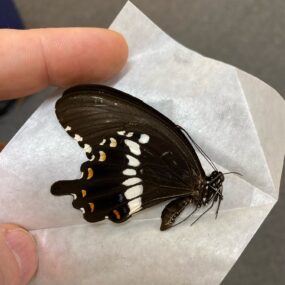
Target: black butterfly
137, 158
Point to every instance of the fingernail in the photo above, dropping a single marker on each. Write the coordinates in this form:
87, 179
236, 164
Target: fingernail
23, 246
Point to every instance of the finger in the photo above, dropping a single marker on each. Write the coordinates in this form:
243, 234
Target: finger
33, 59
18, 262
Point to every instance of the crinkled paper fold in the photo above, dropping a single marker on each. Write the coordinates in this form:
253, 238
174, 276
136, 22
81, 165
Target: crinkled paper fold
224, 109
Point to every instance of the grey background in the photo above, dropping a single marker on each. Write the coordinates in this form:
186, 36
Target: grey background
246, 33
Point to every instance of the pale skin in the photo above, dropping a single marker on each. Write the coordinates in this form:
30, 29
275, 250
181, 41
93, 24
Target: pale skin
30, 61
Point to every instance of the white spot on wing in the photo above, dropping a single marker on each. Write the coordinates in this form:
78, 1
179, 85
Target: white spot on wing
135, 205
102, 142
130, 134
134, 192
144, 138
82, 210
92, 157
78, 138
68, 128
121, 133
133, 146
129, 172
132, 181
87, 148
132, 161
113, 142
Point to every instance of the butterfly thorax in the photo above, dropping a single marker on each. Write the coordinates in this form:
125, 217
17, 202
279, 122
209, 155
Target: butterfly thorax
212, 188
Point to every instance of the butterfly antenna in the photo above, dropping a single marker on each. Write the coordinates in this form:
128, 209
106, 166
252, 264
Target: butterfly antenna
204, 154
199, 148
233, 172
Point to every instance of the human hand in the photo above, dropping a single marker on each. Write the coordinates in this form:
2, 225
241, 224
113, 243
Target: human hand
30, 61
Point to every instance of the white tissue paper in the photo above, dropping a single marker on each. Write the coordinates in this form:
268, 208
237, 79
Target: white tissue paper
238, 121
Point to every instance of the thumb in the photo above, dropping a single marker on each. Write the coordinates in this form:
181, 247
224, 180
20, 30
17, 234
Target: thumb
18, 258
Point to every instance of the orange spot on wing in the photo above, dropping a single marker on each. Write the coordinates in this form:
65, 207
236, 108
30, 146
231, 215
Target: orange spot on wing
117, 214
90, 173
103, 155
83, 192
92, 207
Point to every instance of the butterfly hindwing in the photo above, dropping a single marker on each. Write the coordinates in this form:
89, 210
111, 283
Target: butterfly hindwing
111, 185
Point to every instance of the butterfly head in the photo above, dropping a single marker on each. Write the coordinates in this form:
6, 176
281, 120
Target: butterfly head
213, 187
213, 191
215, 180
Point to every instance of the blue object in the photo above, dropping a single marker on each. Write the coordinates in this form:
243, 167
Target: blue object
9, 16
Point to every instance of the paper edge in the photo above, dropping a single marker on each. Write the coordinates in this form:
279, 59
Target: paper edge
241, 74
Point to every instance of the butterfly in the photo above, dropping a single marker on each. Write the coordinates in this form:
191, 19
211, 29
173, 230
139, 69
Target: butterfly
137, 158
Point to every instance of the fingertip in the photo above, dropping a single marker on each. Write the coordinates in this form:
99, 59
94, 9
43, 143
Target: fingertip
36, 58
122, 52
82, 55
18, 255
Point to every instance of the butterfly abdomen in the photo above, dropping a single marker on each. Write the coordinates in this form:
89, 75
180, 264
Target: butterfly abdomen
173, 210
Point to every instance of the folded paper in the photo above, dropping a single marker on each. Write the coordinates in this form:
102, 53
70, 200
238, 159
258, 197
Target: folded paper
237, 120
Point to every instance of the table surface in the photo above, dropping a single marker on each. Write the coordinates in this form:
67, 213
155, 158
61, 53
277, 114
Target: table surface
247, 33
